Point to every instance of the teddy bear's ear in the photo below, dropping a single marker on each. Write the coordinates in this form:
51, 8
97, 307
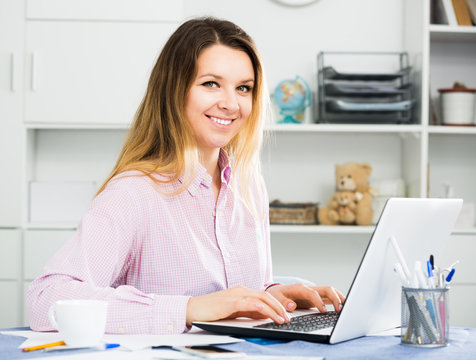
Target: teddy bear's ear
366, 167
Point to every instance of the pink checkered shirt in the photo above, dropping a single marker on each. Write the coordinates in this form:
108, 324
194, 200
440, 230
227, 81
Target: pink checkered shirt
146, 253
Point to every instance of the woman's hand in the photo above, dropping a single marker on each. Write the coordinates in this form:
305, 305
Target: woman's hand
235, 302
305, 297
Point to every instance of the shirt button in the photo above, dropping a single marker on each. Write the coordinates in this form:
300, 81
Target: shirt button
227, 254
170, 327
121, 330
214, 213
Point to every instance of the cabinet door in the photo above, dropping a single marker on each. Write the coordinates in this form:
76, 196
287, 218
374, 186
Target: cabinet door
10, 241
11, 48
89, 72
134, 10
10, 309
40, 246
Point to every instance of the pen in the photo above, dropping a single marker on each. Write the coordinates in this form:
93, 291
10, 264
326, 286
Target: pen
105, 346
431, 282
44, 346
421, 277
432, 261
450, 275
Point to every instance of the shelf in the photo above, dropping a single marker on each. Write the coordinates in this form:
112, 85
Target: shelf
67, 126
51, 226
460, 130
453, 33
345, 128
349, 230
321, 229
470, 231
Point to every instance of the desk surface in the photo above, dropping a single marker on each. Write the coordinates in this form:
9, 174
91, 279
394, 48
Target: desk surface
462, 346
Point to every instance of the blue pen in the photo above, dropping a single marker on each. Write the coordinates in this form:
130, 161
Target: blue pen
430, 275
450, 275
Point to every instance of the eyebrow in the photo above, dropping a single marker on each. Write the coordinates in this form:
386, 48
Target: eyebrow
218, 77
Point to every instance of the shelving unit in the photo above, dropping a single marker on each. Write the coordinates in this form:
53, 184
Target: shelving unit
59, 140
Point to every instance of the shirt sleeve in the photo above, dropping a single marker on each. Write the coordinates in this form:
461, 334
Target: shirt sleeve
94, 263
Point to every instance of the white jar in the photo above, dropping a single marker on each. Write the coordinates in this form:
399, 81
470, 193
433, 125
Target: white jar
458, 106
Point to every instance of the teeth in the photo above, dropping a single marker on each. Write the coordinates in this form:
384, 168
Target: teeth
221, 121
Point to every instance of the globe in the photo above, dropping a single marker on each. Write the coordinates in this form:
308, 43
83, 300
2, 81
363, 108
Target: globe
292, 97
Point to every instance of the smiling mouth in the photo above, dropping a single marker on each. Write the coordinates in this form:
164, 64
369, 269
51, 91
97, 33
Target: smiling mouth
220, 121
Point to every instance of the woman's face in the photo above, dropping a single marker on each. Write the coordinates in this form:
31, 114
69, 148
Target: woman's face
220, 99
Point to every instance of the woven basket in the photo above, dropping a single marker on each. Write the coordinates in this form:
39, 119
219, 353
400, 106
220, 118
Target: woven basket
292, 213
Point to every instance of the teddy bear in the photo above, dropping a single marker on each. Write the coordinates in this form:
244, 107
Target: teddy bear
350, 177
342, 206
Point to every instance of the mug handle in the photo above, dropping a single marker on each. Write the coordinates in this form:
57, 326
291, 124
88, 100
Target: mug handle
51, 316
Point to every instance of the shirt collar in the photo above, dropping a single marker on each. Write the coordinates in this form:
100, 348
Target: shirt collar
202, 177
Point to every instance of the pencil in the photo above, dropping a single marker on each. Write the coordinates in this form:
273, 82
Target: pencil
41, 347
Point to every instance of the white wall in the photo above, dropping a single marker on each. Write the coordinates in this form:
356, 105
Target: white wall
289, 38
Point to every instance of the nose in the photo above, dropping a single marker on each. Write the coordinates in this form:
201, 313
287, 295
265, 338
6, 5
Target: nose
229, 101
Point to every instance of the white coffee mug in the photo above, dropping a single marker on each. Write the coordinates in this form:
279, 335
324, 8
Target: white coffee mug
80, 322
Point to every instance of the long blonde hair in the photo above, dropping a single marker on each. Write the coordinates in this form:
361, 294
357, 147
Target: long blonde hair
161, 140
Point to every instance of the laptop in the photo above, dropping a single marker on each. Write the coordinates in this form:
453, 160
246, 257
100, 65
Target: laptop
373, 303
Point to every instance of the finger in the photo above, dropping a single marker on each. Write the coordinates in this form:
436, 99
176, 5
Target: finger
288, 303
331, 296
274, 303
272, 308
255, 308
306, 296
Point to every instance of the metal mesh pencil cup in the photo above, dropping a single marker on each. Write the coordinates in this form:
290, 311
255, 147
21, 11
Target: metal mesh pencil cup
425, 317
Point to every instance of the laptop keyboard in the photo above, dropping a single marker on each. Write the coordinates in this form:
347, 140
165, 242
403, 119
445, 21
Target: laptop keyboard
305, 323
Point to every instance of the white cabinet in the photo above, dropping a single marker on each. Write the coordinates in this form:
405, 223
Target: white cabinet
11, 145
40, 246
89, 72
106, 10
11, 304
10, 270
88, 61
10, 243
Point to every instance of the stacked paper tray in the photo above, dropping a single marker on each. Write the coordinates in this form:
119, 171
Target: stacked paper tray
331, 73
365, 97
341, 105
333, 89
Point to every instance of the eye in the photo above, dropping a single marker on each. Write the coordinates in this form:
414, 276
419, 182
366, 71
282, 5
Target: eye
244, 88
210, 84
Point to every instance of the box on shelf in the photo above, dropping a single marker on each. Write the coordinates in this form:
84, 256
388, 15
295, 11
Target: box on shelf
292, 213
59, 201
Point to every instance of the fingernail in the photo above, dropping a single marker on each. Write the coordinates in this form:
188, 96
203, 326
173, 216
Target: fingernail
280, 319
287, 317
324, 310
290, 305
340, 307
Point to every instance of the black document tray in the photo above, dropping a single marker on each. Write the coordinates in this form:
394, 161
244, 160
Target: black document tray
332, 74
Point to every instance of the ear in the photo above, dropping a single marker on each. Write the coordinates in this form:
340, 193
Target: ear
366, 167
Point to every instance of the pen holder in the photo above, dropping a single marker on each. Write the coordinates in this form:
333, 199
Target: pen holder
425, 317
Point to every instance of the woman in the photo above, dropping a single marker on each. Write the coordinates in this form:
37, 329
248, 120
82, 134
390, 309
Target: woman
180, 232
